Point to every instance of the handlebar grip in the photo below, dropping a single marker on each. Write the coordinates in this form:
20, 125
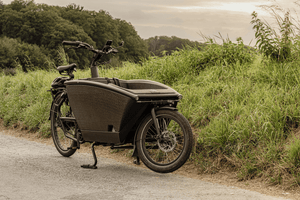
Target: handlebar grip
73, 43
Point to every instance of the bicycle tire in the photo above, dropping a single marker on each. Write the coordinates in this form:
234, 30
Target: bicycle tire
169, 152
61, 108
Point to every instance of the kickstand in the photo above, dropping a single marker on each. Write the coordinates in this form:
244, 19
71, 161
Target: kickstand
137, 161
95, 158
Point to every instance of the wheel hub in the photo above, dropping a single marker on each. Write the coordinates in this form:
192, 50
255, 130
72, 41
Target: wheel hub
167, 141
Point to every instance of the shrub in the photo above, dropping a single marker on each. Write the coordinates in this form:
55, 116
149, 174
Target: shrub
8, 52
190, 61
9, 71
14, 52
229, 53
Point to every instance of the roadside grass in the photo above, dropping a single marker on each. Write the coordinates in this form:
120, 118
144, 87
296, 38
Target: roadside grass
245, 115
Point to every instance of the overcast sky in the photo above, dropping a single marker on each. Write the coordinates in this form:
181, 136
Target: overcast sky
182, 18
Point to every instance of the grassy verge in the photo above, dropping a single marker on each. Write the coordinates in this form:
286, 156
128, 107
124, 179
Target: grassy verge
245, 113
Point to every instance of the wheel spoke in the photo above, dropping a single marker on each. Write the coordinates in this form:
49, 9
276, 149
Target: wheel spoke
61, 142
169, 143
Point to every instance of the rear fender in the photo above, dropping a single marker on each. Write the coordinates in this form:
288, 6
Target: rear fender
166, 108
54, 96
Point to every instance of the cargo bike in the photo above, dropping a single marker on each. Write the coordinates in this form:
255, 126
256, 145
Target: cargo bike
123, 114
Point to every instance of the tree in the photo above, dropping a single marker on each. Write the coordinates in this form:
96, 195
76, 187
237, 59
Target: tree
47, 26
13, 51
11, 22
135, 49
18, 5
159, 44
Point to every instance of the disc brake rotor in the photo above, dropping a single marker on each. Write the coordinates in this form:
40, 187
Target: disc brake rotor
167, 142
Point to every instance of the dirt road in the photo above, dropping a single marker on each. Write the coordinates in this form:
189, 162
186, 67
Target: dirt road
31, 170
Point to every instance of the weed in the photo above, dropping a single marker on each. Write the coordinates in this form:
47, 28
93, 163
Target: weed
277, 46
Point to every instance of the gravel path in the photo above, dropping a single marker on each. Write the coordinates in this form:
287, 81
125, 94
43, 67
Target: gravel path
31, 170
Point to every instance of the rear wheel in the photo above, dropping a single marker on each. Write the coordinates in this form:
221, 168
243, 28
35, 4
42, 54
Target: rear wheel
61, 108
168, 151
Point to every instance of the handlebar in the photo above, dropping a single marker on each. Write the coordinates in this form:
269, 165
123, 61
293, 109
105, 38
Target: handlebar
107, 49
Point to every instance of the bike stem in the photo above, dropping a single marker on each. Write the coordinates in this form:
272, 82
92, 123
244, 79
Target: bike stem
94, 68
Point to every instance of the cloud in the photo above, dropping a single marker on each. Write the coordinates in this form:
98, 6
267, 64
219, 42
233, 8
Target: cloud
187, 18
181, 18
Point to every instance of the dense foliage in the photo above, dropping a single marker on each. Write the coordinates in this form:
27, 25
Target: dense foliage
14, 53
43, 28
164, 45
47, 26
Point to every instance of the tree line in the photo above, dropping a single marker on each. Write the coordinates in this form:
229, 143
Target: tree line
31, 34
164, 45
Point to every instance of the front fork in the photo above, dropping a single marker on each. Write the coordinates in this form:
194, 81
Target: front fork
156, 124
155, 120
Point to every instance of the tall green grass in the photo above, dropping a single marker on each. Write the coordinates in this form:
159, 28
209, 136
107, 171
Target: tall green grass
244, 109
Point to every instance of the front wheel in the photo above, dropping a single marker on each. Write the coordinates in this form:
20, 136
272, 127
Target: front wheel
61, 108
168, 151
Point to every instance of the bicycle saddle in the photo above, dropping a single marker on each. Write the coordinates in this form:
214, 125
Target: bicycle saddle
66, 68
